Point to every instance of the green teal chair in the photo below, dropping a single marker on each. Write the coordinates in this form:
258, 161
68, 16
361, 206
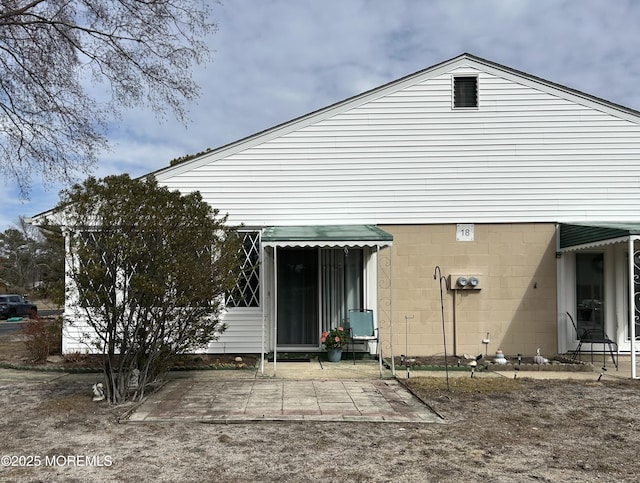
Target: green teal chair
362, 329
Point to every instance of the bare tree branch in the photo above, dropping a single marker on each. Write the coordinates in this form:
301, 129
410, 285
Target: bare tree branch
52, 51
18, 11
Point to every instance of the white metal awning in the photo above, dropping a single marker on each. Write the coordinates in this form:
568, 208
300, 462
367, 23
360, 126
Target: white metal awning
326, 236
323, 236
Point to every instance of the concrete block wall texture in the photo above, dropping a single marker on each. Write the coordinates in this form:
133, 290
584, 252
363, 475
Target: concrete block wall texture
516, 303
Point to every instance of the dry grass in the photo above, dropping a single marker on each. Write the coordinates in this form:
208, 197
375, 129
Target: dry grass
495, 429
430, 386
12, 348
65, 405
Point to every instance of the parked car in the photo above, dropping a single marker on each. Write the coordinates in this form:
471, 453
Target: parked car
12, 305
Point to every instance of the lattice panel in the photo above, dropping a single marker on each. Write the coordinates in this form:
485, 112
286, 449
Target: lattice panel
247, 290
636, 291
101, 271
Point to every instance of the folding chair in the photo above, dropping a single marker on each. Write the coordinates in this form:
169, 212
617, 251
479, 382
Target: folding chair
362, 329
593, 336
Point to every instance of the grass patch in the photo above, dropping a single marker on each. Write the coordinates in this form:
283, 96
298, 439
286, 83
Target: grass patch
12, 348
66, 404
463, 385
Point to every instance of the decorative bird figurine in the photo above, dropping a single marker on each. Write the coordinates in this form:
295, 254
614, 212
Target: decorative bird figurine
469, 357
472, 362
538, 359
98, 392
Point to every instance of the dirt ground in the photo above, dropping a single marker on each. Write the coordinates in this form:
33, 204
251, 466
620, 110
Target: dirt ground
495, 429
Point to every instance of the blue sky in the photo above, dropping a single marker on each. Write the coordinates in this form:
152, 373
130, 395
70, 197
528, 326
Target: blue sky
274, 60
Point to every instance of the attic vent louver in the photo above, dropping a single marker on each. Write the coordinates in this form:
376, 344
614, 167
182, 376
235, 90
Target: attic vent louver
465, 92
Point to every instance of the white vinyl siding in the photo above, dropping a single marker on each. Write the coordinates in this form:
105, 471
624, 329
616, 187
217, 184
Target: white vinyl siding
532, 152
75, 337
241, 337
244, 326
525, 156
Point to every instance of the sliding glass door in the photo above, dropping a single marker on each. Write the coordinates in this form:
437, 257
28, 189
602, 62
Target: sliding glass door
341, 285
590, 291
298, 297
316, 289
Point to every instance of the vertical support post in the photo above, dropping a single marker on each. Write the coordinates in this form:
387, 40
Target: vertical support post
264, 303
378, 313
632, 304
454, 323
275, 309
384, 276
393, 365
263, 278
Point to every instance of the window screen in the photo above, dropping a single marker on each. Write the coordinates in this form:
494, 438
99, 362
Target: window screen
465, 92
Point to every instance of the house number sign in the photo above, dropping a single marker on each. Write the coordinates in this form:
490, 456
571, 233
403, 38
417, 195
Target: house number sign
464, 232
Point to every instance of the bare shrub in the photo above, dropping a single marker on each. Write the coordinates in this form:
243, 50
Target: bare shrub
42, 338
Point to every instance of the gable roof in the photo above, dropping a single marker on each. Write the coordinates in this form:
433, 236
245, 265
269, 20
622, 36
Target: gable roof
569, 157
462, 60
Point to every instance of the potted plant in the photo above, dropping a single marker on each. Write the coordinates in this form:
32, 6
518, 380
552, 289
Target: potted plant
334, 341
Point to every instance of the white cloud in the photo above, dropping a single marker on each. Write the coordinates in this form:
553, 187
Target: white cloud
277, 60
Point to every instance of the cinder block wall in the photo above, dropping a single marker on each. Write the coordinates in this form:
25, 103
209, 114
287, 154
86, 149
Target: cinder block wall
516, 303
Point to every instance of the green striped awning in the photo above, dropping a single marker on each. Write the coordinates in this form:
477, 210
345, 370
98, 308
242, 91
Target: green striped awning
595, 234
326, 236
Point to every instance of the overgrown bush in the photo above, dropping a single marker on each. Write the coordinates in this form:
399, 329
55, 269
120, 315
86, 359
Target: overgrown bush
43, 338
148, 279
